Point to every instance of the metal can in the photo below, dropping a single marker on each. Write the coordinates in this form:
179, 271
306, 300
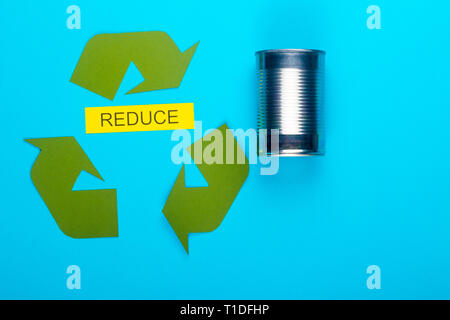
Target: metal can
291, 83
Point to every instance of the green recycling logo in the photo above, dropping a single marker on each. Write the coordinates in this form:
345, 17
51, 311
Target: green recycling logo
93, 213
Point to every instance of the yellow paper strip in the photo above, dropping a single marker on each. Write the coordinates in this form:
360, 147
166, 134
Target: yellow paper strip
147, 117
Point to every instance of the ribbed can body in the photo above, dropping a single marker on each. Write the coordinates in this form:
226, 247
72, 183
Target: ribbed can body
290, 84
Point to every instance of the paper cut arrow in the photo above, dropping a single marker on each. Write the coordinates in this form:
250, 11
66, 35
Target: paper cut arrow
106, 58
202, 209
79, 214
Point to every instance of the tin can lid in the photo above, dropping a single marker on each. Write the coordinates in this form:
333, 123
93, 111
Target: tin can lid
306, 59
284, 51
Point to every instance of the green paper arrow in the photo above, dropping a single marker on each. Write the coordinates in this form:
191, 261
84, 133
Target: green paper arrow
79, 214
106, 58
202, 209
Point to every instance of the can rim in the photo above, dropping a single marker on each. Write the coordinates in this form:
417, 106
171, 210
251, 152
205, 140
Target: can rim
282, 51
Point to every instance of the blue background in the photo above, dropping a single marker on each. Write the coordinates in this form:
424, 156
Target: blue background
379, 196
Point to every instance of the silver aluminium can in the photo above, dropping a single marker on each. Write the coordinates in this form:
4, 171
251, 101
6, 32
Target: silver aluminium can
291, 83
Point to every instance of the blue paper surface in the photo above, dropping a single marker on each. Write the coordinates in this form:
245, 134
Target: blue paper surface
380, 196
